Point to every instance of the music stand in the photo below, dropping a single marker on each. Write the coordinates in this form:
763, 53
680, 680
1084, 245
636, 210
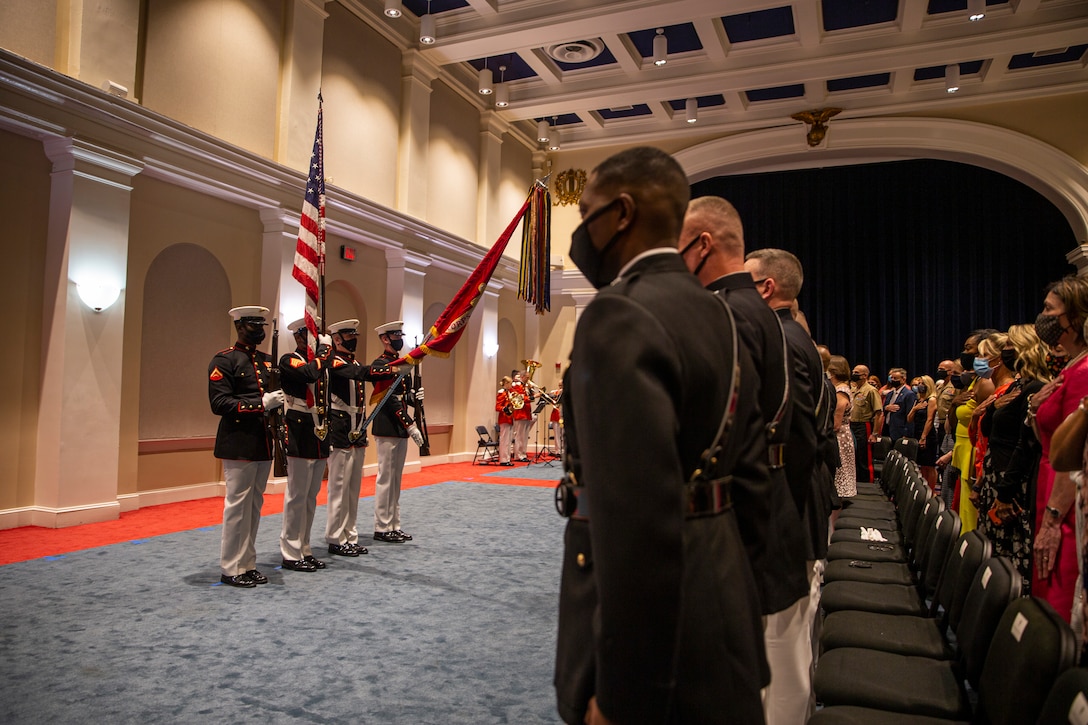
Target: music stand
545, 453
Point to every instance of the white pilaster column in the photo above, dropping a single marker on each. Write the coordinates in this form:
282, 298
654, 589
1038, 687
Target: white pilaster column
490, 175
405, 275
280, 292
479, 370
415, 133
300, 82
79, 419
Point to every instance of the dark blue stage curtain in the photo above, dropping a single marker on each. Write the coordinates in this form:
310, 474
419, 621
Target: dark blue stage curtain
903, 259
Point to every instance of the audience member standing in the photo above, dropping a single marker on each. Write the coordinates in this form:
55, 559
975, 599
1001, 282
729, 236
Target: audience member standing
1065, 310
713, 239
845, 477
239, 395
923, 416
897, 403
658, 613
866, 422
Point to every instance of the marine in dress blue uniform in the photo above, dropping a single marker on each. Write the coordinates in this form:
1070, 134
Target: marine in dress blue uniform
238, 394
304, 382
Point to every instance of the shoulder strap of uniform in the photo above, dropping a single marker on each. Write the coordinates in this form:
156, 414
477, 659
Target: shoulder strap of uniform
781, 412
710, 455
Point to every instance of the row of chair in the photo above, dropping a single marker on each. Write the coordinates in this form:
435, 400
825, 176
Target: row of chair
927, 626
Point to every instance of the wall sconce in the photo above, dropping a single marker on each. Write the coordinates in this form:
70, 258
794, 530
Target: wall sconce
691, 109
952, 78
392, 8
542, 134
490, 349
98, 296
553, 135
502, 91
427, 34
661, 48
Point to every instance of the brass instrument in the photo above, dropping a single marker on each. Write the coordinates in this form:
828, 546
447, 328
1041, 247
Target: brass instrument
530, 368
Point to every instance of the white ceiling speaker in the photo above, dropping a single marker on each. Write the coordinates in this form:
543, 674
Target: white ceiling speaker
576, 51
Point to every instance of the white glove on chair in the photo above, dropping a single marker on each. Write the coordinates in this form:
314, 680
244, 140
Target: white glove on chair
417, 437
272, 400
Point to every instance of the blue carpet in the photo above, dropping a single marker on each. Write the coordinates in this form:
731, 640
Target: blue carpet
457, 626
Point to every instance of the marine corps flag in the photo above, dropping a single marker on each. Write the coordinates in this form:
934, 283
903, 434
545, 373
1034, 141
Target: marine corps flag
451, 324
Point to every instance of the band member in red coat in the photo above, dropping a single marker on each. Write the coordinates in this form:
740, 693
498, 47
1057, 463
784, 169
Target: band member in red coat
523, 416
506, 420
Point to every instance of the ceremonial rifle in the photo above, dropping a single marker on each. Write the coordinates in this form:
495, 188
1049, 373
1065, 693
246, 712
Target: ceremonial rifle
277, 426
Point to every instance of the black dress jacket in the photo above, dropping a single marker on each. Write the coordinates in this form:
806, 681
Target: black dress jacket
658, 612
806, 471
769, 521
237, 381
297, 374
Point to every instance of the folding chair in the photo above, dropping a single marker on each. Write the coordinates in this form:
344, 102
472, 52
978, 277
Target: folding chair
487, 446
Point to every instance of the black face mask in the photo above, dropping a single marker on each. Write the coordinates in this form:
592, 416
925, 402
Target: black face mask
1049, 328
941, 375
586, 258
895, 383
956, 380
349, 344
967, 360
1009, 359
856, 377
396, 344
251, 333
701, 261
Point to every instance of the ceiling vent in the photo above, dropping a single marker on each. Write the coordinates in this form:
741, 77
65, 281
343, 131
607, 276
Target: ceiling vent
576, 51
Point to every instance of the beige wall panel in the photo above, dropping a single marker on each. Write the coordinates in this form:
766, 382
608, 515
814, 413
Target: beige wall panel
214, 64
108, 44
453, 164
24, 196
178, 468
361, 87
29, 28
515, 179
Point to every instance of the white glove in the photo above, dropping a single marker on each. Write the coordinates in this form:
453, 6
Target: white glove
416, 436
419, 394
324, 340
272, 400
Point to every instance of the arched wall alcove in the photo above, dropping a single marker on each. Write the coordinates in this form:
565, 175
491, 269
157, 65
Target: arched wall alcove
178, 340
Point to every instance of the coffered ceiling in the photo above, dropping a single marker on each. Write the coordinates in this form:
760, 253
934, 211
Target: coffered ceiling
588, 65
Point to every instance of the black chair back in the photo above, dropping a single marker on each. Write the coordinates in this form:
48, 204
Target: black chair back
947, 532
1067, 701
967, 554
908, 447
1030, 648
995, 586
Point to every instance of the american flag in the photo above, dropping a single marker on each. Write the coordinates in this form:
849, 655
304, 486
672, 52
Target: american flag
310, 249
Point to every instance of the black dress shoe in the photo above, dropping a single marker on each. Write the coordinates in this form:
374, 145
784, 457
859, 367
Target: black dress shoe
403, 535
506, 463
318, 564
359, 549
239, 580
257, 577
298, 565
343, 550
523, 460
389, 537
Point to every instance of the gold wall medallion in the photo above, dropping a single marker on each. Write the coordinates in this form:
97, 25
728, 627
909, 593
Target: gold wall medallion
569, 185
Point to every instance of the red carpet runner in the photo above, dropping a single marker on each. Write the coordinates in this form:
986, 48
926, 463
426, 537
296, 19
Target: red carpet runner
33, 542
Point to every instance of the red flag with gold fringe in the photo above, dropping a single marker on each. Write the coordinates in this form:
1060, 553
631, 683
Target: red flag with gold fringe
451, 324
